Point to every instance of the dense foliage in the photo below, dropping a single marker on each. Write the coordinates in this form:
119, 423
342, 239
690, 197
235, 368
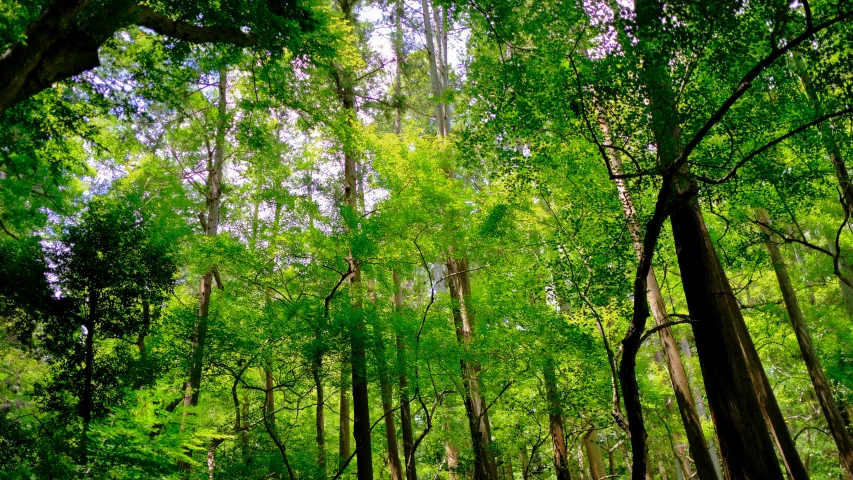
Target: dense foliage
486, 239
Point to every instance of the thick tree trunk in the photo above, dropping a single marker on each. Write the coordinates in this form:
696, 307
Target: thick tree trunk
744, 440
593, 455
452, 455
555, 420
678, 377
821, 386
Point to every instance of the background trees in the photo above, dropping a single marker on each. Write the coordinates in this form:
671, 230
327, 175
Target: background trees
428, 237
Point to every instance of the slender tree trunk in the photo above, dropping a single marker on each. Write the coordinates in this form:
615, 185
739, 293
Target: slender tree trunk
394, 466
405, 408
345, 83
555, 420
678, 377
593, 455
211, 228
458, 281
85, 406
744, 439
143, 332
345, 419
269, 397
452, 454
819, 382
319, 415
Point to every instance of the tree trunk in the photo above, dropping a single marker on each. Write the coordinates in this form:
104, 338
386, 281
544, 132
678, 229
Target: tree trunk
485, 467
319, 415
555, 417
345, 83
458, 281
269, 397
821, 386
211, 227
593, 455
345, 419
394, 466
143, 332
452, 454
405, 408
677, 375
744, 439
85, 406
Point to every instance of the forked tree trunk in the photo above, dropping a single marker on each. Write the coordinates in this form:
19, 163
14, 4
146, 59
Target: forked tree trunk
744, 439
677, 375
821, 386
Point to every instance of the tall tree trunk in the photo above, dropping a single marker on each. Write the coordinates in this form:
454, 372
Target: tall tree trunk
677, 375
819, 382
405, 408
345, 83
345, 419
85, 406
319, 415
458, 280
394, 466
555, 420
593, 455
211, 228
744, 440
485, 467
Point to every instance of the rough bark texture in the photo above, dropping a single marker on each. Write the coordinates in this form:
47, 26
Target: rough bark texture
678, 377
555, 420
821, 386
744, 440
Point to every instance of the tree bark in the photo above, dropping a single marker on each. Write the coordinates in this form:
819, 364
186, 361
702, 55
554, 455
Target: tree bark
822, 389
394, 466
344, 448
485, 467
458, 282
744, 440
269, 396
678, 377
344, 79
555, 420
405, 408
593, 455
319, 415
211, 227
